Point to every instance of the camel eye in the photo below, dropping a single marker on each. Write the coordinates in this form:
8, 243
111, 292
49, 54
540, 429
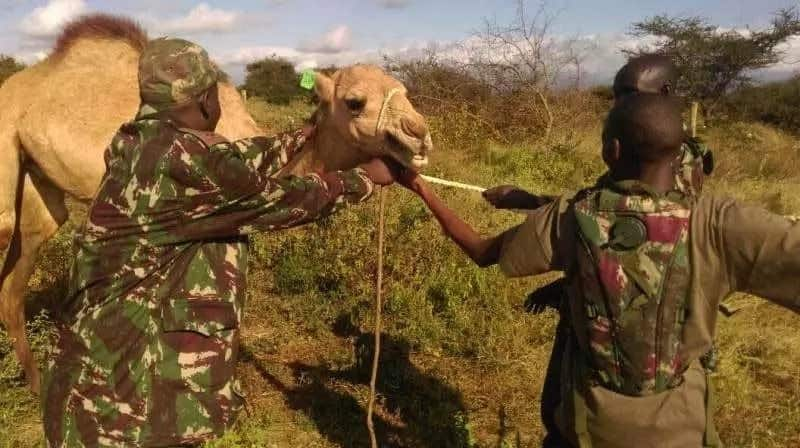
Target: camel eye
356, 105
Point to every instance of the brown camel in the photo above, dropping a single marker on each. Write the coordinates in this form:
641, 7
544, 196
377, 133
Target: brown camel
58, 116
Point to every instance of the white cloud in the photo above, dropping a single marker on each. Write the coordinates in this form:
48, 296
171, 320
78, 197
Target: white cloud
201, 18
789, 64
393, 4
31, 57
603, 56
235, 61
46, 21
246, 55
336, 40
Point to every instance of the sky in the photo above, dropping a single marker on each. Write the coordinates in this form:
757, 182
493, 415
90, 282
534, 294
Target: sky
313, 33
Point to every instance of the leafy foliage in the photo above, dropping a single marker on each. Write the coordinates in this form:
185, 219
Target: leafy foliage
9, 66
775, 103
474, 109
274, 79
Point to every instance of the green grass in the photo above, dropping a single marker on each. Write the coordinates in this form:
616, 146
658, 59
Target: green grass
463, 364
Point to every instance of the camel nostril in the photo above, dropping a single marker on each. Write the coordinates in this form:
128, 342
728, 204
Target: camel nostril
414, 128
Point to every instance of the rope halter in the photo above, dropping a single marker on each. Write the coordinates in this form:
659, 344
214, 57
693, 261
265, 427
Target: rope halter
382, 115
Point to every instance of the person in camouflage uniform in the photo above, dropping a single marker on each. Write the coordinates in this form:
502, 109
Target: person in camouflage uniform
650, 73
148, 340
646, 267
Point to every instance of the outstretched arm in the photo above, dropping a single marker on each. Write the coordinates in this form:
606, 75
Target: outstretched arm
511, 197
483, 251
762, 251
228, 189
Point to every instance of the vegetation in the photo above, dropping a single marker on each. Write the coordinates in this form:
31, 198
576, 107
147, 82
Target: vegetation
273, 79
8, 66
775, 103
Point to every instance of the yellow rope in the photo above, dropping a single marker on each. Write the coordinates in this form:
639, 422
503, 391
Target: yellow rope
378, 309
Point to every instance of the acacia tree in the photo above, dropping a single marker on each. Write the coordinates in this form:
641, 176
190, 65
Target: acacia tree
8, 66
712, 61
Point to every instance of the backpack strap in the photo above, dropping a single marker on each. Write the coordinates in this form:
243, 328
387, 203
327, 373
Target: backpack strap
711, 437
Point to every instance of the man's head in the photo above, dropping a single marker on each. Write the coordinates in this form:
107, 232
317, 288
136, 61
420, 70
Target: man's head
649, 73
642, 132
177, 80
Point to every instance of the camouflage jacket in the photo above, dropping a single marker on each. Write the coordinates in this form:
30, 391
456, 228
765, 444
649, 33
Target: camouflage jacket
147, 347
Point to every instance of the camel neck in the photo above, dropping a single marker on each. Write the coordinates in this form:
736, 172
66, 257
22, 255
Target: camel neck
326, 150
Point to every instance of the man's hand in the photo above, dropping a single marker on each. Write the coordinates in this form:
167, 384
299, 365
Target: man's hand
548, 296
411, 179
379, 172
499, 196
511, 197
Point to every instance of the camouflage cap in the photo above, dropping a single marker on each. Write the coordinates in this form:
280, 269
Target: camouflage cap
171, 72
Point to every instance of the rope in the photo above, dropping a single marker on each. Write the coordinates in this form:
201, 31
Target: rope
384, 108
379, 282
450, 183
378, 309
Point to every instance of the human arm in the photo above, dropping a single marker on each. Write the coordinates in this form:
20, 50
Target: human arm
483, 251
511, 197
271, 154
222, 193
760, 251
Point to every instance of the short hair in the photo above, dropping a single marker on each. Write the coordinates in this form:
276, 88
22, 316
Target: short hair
648, 126
646, 73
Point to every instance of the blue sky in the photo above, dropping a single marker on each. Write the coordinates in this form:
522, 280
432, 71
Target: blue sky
317, 32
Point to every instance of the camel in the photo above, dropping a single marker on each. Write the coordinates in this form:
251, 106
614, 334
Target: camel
58, 116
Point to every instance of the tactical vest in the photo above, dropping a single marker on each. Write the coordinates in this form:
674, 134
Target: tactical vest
632, 279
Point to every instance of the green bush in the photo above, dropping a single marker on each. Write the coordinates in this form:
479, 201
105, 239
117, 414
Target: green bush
275, 80
8, 66
774, 103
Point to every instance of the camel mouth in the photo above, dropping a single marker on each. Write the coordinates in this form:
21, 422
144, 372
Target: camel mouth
419, 161
409, 151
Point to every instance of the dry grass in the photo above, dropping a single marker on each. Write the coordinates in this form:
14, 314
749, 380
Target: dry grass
463, 364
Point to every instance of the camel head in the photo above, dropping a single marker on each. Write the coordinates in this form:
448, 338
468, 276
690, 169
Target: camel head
369, 110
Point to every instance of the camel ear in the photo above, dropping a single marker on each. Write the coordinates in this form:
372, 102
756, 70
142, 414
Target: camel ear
324, 87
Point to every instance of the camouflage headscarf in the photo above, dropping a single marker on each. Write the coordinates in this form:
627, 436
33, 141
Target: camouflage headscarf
172, 72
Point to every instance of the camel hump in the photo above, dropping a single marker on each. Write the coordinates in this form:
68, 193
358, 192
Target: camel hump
101, 26
208, 138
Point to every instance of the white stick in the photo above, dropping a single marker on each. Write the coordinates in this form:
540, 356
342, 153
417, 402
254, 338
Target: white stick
450, 183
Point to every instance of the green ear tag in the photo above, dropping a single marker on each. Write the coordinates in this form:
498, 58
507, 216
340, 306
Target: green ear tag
308, 80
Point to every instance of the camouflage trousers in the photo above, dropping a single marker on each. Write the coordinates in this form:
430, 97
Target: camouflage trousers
169, 388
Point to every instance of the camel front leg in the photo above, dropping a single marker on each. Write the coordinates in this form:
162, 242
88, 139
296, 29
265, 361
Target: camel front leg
9, 189
41, 213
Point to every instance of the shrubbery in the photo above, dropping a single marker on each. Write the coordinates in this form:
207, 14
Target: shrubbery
774, 103
474, 110
8, 66
273, 79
